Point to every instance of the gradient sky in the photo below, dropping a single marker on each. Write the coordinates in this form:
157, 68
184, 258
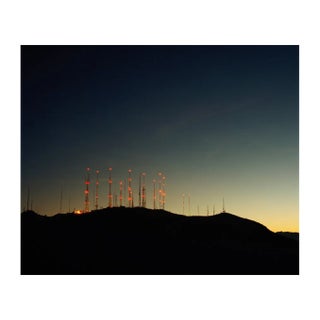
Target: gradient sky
218, 121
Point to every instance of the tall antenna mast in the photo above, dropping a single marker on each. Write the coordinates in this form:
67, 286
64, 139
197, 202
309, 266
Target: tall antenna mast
97, 190
213, 210
189, 204
60, 211
28, 198
163, 191
223, 209
144, 196
140, 190
86, 192
160, 190
125, 191
121, 197
183, 203
110, 188
130, 199
154, 194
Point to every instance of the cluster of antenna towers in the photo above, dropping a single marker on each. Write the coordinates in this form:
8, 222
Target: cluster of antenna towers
124, 189
120, 194
198, 208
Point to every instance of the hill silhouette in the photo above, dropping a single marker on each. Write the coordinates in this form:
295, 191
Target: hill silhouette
144, 241
291, 235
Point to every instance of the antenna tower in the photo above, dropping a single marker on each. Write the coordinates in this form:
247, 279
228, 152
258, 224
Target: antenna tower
144, 199
97, 190
60, 211
154, 194
28, 198
120, 198
163, 193
183, 203
110, 188
189, 204
130, 198
86, 192
140, 190
160, 190
223, 209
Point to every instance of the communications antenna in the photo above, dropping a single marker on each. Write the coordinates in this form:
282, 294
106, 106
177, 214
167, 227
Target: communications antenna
189, 204
140, 190
144, 199
154, 194
97, 190
125, 198
130, 198
223, 209
60, 211
121, 197
160, 190
110, 189
86, 192
28, 198
183, 203
163, 191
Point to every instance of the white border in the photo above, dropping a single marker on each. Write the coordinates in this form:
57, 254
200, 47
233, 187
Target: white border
159, 22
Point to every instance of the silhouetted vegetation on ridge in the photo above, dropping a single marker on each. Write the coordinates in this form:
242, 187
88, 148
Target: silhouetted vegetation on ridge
144, 241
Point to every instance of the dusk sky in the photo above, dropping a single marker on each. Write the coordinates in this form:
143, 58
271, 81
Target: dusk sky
218, 121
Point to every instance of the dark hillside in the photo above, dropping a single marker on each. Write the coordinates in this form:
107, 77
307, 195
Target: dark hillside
291, 235
144, 241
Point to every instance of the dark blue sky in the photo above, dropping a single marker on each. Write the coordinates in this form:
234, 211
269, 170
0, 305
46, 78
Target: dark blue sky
217, 120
